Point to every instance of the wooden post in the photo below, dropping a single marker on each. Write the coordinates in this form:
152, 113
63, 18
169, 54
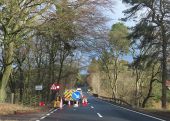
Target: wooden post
12, 98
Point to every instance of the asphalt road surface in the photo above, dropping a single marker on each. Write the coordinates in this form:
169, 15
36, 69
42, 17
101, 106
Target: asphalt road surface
97, 110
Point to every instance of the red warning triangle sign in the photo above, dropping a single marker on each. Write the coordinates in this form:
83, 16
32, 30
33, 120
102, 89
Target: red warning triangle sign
55, 87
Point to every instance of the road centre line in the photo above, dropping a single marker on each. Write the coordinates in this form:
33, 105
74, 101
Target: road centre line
134, 111
99, 115
92, 107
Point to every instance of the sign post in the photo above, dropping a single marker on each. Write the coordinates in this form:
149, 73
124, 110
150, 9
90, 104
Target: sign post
38, 89
55, 90
76, 96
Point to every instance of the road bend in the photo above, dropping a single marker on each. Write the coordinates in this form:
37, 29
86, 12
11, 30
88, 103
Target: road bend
97, 110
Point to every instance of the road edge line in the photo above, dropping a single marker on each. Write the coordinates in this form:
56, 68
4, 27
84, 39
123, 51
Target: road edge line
133, 111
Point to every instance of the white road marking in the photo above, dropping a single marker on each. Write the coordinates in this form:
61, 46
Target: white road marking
43, 117
99, 115
47, 114
134, 111
50, 110
142, 114
92, 107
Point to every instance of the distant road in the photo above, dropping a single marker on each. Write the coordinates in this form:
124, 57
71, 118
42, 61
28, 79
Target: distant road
97, 110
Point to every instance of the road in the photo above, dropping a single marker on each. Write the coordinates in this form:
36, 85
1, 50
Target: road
97, 110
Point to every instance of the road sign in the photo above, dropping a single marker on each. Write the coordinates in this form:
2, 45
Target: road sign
76, 95
55, 87
68, 94
38, 87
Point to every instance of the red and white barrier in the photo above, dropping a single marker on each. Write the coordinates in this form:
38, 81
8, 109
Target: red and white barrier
69, 104
84, 101
61, 104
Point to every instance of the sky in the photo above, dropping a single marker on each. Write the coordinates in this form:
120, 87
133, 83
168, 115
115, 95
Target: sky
115, 17
117, 14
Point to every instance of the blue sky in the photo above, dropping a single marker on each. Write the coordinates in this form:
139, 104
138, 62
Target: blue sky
117, 14
119, 7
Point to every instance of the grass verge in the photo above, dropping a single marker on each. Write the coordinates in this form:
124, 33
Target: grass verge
7, 109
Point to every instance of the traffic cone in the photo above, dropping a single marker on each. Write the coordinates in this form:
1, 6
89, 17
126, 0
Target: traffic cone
69, 104
83, 101
61, 104
86, 102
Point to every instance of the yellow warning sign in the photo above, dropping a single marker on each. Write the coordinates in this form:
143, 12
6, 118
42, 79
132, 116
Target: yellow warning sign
68, 94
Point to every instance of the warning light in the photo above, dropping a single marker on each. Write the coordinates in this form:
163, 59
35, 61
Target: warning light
58, 87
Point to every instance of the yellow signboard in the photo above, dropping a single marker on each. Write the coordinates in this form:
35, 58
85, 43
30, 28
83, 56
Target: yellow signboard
68, 94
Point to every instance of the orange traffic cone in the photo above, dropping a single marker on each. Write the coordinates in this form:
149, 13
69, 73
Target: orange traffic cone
61, 104
86, 103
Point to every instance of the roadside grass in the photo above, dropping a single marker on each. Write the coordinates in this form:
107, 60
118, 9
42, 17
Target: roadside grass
164, 114
157, 105
156, 110
7, 109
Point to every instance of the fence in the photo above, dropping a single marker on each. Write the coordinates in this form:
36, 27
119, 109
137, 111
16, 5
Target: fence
113, 100
31, 100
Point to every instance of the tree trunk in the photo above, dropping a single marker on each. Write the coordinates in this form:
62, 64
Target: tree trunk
12, 98
62, 58
149, 94
49, 93
115, 75
21, 84
12, 86
137, 88
8, 51
164, 67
